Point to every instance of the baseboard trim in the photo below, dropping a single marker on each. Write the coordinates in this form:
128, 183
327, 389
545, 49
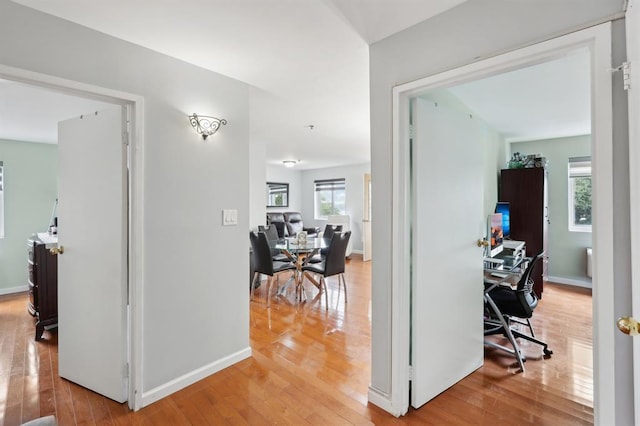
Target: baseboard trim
382, 400
11, 290
190, 378
570, 281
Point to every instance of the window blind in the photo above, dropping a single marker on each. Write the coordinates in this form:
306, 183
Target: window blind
329, 184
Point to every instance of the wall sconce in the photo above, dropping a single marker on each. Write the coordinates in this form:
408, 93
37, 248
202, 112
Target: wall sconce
204, 125
289, 163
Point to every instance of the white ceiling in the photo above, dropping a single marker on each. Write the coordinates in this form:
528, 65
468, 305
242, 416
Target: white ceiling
547, 100
29, 113
308, 64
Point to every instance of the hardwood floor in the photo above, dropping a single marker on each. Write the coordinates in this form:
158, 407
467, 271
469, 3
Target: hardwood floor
312, 366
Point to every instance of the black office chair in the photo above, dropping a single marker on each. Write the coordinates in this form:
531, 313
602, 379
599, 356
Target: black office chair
263, 263
272, 235
333, 263
515, 306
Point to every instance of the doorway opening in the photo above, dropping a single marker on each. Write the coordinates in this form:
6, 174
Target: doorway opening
131, 105
596, 40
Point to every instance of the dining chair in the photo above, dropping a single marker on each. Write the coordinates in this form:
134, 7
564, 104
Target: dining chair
332, 264
264, 264
272, 235
327, 234
329, 230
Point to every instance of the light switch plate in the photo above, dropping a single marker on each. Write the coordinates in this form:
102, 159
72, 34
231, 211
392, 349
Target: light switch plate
229, 217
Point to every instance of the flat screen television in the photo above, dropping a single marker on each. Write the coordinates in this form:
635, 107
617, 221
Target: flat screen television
503, 207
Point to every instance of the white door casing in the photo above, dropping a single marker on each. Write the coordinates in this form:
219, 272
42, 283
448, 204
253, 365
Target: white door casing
632, 24
598, 40
366, 221
135, 107
92, 272
447, 222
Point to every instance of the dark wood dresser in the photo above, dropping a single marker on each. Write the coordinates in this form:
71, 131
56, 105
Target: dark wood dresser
43, 285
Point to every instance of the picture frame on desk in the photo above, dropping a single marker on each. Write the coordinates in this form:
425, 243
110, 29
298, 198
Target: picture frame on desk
495, 234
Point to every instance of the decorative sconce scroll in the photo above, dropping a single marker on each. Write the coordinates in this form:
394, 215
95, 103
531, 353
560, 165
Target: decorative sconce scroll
205, 125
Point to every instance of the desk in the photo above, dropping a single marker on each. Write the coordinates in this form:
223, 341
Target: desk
509, 275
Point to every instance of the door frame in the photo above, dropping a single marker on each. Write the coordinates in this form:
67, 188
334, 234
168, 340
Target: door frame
632, 27
598, 40
134, 106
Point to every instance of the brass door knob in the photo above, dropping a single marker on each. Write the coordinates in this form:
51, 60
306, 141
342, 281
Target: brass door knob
57, 250
483, 243
628, 326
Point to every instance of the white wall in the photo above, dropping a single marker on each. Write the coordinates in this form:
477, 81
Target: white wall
31, 189
354, 183
566, 249
257, 173
195, 301
301, 194
292, 176
465, 34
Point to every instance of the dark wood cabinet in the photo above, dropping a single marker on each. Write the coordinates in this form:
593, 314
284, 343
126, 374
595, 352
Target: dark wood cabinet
43, 285
526, 192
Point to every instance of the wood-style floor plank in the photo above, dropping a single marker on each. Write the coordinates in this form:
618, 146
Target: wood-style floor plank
311, 366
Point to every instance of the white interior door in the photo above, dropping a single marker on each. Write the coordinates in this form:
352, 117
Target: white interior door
447, 273
92, 271
632, 23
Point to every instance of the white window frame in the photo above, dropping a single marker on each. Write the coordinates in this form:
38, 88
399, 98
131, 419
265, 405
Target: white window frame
577, 167
336, 185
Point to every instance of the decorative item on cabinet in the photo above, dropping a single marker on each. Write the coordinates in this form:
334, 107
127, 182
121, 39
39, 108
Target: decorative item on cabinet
43, 283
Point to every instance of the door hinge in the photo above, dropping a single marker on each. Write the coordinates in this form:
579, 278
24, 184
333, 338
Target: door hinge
125, 138
126, 370
410, 372
626, 74
412, 131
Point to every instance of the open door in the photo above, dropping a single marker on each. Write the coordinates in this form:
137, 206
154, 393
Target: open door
447, 269
92, 262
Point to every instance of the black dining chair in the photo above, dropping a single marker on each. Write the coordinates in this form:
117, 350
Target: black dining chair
263, 263
327, 234
272, 235
332, 264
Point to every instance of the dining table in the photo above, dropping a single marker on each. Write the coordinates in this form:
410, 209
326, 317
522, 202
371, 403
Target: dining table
299, 253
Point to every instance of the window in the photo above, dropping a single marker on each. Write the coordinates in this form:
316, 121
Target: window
330, 198
580, 194
1, 200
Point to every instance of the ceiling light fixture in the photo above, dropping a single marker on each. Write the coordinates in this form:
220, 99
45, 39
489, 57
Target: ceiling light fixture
289, 163
205, 125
